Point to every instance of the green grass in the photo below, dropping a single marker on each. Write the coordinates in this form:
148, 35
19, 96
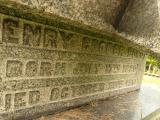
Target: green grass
151, 80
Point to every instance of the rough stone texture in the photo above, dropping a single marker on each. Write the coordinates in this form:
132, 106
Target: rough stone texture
129, 106
97, 13
49, 63
138, 23
141, 23
44, 69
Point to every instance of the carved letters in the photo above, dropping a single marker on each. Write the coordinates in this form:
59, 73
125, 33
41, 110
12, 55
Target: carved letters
55, 93
10, 31
110, 48
60, 93
65, 92
66, 37
130, 82
113, 68
60, 68
50, 38
130, 68
31, 69
102, 47
14, 68
86, 44
86, 68
31, 35
46, 69
8, 101
42, 61
20, 100
87, 89
116, 85
34, 97
95, 47
35, 35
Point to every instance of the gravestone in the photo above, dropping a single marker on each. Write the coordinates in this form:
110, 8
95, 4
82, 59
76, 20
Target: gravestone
48, 66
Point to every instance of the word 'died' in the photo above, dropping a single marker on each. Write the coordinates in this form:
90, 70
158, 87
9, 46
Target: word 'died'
39, 36
29, 98
15, 68
24, 99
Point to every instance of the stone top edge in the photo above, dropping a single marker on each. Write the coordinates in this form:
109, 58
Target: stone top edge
35, 15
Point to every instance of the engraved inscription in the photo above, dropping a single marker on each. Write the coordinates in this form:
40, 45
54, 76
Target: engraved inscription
95, 47
94, 69
31, 69
14, 68
50, 38
34, 35
130, 82
62, 92
66, 37
31, 35
87, 89
116, 50
46, 69
65, 92
8, 101
44, 64
74, 91
86, 44
86, 68
60, 68
34, 97
102, 47
82, 68
110, 48
116, 85
112, 68
130, 68
20, 100
10, 31
55, 93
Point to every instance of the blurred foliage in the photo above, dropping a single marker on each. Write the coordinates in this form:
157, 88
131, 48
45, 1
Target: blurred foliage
152, 65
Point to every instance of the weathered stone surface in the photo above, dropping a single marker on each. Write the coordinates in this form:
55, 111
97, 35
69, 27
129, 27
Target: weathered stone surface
97, 13
136, 20
141, 24
45, 68
49, 63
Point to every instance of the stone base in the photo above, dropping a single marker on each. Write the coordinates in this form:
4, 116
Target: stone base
43, 110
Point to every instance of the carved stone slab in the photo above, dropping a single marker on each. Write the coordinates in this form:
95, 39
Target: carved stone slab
44, 69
